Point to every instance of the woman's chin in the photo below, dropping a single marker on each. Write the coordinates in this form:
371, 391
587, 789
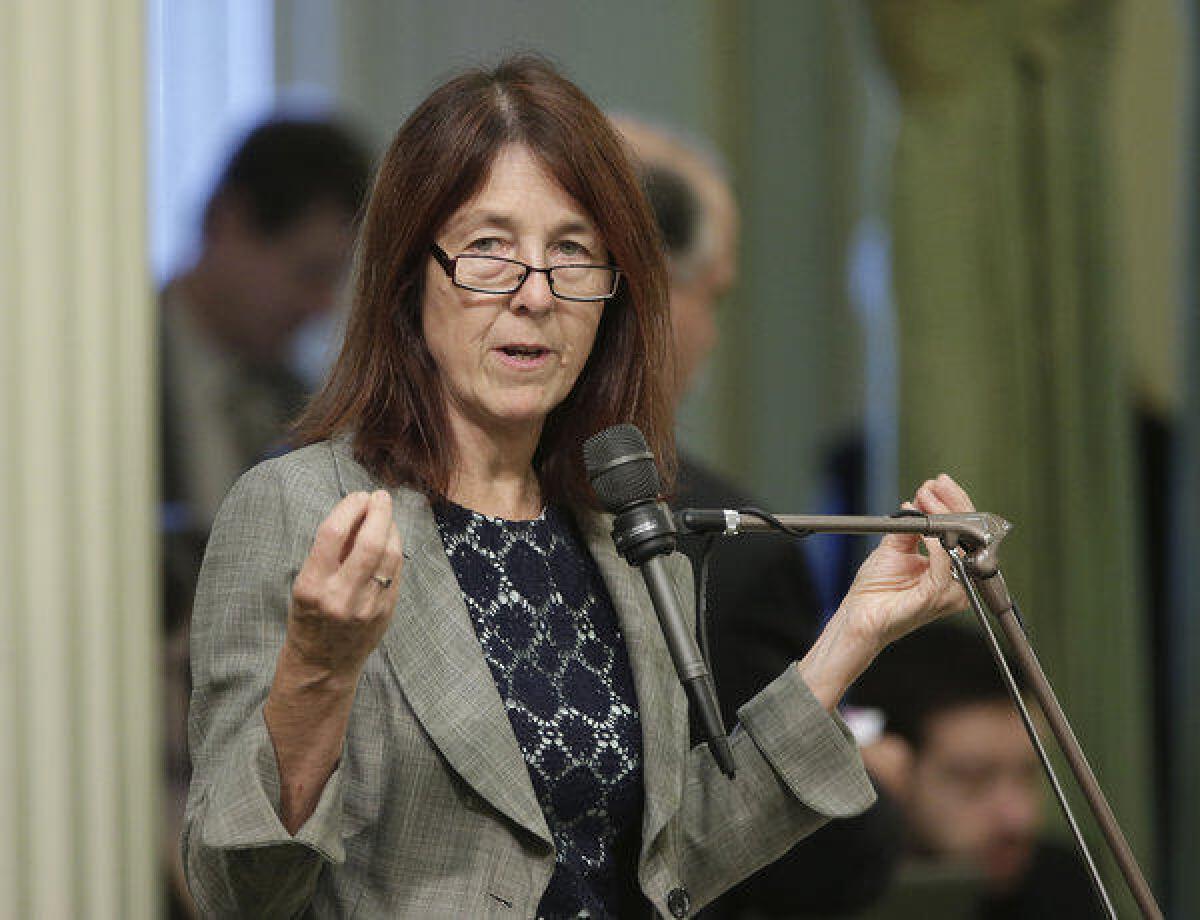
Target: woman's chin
519, 416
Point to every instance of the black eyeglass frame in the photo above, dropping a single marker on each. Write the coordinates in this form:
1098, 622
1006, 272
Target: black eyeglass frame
449, 263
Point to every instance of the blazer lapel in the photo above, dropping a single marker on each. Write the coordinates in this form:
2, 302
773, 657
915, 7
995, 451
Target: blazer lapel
661, 701
435, 656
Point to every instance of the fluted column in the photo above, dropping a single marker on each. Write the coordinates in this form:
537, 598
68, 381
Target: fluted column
78, 638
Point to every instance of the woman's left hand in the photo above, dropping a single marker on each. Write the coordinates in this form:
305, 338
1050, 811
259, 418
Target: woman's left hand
899, 589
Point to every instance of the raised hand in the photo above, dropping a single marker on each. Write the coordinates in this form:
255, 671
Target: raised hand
898, 588
342, 602
343, 596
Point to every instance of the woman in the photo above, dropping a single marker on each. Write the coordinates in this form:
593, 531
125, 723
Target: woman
425, 684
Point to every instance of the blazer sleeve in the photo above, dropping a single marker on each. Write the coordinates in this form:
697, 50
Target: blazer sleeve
797, 767
239, 858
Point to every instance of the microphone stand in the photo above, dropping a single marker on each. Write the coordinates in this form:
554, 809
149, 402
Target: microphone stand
972, 540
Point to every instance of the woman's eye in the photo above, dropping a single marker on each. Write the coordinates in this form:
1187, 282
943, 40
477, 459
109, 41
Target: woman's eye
488, 245
573, 251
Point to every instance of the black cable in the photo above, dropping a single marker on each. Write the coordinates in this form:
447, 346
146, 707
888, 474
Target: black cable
701, 580
702, 577
767, 517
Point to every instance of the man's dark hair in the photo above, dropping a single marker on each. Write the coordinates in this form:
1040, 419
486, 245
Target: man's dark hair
286, 167
676, 209
935, 669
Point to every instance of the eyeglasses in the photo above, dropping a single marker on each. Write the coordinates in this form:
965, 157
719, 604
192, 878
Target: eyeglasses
494, 275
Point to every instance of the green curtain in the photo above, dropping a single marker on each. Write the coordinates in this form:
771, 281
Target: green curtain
1184, 846
1012, 371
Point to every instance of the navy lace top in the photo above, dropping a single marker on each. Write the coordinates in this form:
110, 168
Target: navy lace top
550, 636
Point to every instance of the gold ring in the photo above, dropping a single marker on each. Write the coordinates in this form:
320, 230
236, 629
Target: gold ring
383, 580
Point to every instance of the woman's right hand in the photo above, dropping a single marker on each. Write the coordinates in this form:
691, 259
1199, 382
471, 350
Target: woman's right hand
344, 594
339, 612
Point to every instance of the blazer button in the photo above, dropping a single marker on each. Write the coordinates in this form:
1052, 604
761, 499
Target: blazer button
679, 902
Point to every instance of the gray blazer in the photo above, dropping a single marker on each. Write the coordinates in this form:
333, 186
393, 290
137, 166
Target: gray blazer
431, 812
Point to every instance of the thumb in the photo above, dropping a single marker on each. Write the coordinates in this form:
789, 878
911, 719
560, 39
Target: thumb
902, 542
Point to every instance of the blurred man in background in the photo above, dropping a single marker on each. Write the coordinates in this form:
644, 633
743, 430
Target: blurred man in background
970, 786
764, 611
277, 236
276, 242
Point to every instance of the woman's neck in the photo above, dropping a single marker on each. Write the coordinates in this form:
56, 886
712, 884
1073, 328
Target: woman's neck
494, 472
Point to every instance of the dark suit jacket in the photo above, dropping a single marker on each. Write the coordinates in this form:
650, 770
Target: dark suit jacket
431, 811
763, 614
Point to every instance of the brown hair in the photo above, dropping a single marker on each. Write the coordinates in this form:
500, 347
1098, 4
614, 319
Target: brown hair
385, 389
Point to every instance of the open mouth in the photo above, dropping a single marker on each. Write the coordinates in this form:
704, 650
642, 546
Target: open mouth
524, 355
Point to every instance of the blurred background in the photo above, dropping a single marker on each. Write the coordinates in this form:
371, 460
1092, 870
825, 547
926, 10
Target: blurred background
966, 245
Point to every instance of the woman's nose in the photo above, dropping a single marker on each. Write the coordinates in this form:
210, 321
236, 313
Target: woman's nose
535, 294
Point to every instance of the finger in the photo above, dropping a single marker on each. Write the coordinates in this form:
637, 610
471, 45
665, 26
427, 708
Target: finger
392, 560
336, 535
352, 591
955, 497
940, 567
330, 545
902, 542
929, 500
366, 556
391, 565
393, 557
942, 496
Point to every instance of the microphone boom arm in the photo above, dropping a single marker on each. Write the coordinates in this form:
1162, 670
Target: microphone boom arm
972, 539
974, 530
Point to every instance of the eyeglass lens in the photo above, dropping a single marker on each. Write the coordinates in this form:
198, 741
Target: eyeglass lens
501, 276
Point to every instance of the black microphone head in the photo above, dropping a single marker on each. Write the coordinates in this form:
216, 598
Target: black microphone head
620, 467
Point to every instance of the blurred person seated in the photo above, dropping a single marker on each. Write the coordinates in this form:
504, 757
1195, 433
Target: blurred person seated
276, 241
968, 779
763, 610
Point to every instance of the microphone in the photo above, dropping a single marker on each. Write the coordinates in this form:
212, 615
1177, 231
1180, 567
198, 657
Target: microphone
622, 472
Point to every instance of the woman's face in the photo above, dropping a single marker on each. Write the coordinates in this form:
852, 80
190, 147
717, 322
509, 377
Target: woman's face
506, 360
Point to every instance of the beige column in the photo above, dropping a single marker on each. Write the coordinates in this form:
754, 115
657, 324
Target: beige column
79, 759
